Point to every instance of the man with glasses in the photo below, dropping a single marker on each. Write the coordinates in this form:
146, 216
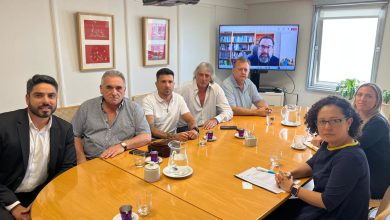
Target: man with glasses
109, 124
263, 54
241, 93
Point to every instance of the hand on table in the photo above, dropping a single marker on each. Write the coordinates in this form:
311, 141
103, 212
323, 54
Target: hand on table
263, 111
192, 134
112, 151
210, 124
284, 180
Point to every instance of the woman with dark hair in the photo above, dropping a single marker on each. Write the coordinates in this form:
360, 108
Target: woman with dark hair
339, 168
374, 137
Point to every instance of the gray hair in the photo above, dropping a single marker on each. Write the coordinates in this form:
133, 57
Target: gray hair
241, 60
113, 73
207, 67
377, 108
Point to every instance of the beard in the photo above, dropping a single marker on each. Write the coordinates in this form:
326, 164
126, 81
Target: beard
42, 114
264, 58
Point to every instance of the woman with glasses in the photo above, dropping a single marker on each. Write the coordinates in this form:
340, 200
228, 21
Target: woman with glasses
374, 137
339, 168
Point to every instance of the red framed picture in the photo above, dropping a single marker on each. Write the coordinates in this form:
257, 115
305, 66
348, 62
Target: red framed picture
155, 41
96, 41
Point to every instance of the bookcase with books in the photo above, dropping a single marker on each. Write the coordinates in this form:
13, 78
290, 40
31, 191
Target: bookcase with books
233, 45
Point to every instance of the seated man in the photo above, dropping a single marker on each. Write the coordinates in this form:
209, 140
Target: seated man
164, 108
110, 124
35, 146
241, 93
206, 99
263, 54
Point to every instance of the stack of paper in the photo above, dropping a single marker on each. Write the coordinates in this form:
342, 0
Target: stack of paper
260, 178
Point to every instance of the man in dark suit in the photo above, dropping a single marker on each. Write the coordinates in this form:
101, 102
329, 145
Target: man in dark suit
35, 146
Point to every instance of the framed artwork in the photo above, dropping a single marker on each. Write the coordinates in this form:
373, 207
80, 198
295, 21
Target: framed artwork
96, 41
155, 41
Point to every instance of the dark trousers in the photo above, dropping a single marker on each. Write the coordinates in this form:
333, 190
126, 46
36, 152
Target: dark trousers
288, 210
24, 198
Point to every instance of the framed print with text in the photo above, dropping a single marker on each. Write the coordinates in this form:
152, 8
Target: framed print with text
96, 41
155, 41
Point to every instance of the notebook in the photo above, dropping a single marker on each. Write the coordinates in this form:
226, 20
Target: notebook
260, 178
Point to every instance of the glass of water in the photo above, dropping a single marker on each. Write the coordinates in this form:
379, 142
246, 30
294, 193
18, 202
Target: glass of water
202, 138
144, 202
275, 157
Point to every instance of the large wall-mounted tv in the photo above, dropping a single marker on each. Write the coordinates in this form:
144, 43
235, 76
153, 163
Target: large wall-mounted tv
268, 47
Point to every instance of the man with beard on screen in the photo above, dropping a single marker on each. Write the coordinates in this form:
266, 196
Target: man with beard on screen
263, 53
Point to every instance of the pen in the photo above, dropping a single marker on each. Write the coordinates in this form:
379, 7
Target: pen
265, 170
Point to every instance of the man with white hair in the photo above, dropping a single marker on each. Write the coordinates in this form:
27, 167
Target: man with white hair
205, 99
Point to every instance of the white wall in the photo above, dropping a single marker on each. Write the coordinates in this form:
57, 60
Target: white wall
26, 49
198, 33
40, 37
300, 12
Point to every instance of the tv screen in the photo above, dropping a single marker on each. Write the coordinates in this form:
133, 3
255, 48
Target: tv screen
267, 47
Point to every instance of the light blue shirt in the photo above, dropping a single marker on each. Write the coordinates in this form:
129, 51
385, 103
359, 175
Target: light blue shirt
237, 98
90, 123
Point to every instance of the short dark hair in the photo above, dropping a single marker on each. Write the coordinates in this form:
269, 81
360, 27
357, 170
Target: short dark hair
267, 37
37, 79
164, 71
343, 104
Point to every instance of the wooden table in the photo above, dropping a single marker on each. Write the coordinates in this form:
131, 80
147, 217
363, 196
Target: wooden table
96, 190
213, 187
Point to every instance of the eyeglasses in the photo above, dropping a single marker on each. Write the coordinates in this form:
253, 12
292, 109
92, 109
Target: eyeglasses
331, 122
263, 47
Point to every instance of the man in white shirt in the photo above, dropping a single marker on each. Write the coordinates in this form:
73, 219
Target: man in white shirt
205, 98
164, 108
35, 146
241, 93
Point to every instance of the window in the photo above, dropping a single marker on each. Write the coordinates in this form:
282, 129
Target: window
345, 43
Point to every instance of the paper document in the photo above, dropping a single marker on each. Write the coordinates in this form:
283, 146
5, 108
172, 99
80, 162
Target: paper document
260, 178
310, 145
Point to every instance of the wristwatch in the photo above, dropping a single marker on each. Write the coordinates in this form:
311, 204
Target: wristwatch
124, 145
196, 129
294, 190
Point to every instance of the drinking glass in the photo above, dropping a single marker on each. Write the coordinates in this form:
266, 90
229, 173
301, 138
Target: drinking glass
298, 141
275, 157
202, 141
139, 158
144, 202
270, 119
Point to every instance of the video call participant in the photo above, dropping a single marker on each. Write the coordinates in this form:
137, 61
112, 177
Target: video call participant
241, 93
205, 98
110, 124
35, 147
263, 53
164, 108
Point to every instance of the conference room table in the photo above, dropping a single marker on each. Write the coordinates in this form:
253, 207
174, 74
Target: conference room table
96, 190
212, 191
